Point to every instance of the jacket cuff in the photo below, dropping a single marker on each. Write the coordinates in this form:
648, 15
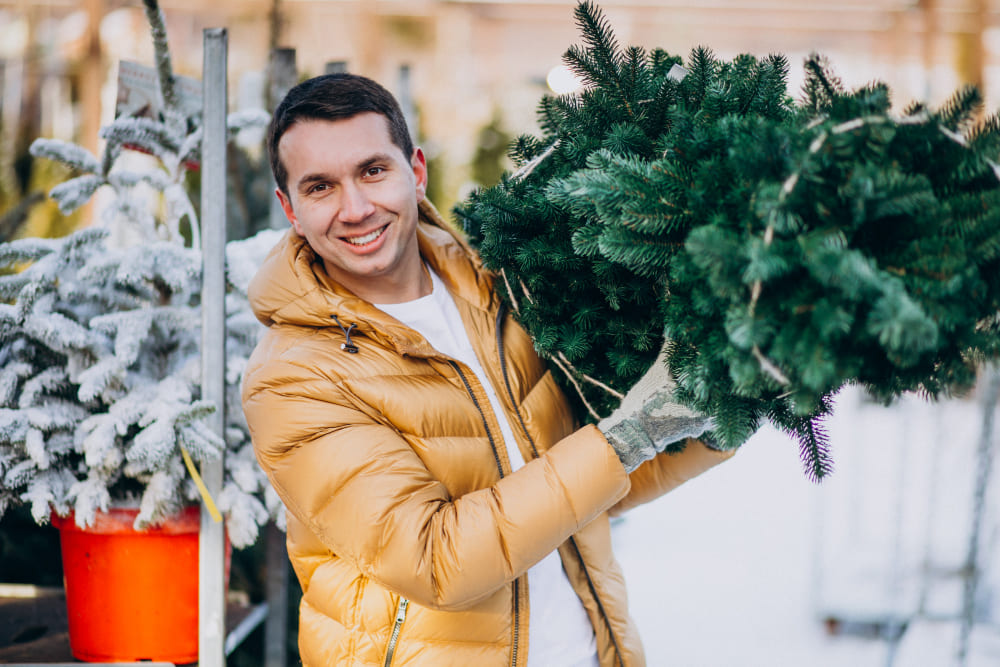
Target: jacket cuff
589, 468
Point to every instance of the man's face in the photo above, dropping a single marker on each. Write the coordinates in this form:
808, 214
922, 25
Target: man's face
353, 196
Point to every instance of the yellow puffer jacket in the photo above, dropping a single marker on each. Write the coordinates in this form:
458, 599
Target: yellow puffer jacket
408, 534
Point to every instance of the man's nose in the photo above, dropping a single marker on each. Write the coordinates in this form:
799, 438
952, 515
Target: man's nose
355, 205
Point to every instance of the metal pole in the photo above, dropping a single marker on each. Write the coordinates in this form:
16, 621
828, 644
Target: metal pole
276, 626
211, 572
984, 467
282, 73
406, 103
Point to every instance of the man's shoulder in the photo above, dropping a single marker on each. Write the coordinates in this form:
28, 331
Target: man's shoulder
289, 354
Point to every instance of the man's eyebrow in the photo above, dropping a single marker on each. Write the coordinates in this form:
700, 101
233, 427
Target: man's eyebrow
309, 179
374, 159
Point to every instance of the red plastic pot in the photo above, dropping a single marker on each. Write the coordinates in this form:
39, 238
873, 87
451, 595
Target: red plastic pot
132, 595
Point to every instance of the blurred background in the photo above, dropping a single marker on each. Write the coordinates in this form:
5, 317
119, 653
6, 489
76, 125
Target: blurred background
892, 561
471, 71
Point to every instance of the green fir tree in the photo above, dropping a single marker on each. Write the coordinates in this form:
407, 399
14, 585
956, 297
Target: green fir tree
785, 249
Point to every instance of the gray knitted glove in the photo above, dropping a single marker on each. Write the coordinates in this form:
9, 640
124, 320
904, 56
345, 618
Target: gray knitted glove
649, 419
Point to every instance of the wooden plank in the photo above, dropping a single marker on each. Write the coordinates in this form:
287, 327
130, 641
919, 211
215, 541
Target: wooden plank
35, 630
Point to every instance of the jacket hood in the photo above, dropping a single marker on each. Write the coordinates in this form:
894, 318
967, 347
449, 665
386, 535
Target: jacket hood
292, 287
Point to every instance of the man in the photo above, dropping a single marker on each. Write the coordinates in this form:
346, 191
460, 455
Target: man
443, 508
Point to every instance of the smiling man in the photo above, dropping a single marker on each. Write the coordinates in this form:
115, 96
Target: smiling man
353, 196
443, 507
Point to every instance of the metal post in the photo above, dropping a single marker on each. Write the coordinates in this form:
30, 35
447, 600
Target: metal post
282, 74
406, 103
971, 571
211, 577
276, 626
10, 119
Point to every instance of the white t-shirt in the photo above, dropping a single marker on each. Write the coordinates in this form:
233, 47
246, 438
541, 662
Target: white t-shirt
560, 632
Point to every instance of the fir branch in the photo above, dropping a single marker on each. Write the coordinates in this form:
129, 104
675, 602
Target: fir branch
815, 449
20, 474
602, 46
244, 513
787, 188
161, 50
160, 499
73, 156
961, 108
702, 72
11, 287
576, 385
244, 119
156, 179
587, 378
13, 427
510, 292
26, 250
11, 374
100, 380
145, 133
190, 148
41, 496
99, 442
46, 382
58, 332
529, 167
602, 63
89, 496
72, 194
34, 445
821, 86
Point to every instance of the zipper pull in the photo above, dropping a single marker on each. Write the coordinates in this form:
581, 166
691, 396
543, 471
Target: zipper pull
401, 610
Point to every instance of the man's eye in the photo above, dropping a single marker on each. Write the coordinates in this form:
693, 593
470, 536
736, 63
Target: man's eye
374, 171
319, 187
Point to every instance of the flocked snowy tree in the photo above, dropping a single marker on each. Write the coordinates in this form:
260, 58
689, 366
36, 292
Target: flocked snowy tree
100, 332
784, 248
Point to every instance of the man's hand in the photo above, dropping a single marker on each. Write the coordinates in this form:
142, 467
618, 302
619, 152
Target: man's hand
649, 418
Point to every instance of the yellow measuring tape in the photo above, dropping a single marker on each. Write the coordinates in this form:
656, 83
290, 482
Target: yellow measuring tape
202, 489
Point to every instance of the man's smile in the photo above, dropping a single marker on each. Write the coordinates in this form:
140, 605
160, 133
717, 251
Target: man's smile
365, 239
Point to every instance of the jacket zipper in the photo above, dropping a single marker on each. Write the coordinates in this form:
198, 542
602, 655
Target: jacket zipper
534, 450
496, 457
394, 638
482, 415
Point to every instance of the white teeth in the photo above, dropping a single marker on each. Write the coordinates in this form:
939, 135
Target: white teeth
367, 238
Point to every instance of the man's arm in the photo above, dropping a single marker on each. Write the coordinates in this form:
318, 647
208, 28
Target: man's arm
363, 491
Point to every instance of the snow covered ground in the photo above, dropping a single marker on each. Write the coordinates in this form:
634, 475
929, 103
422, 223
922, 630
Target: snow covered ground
741, 567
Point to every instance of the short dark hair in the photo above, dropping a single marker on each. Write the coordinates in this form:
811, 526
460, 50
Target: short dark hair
333, 97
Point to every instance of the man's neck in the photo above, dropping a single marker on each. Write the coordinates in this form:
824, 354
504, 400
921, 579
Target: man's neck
408, 286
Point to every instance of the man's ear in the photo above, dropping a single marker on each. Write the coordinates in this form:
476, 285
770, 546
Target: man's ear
286, 206
419, 164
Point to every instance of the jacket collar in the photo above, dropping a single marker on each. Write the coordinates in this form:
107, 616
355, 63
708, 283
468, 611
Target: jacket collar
291, 286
